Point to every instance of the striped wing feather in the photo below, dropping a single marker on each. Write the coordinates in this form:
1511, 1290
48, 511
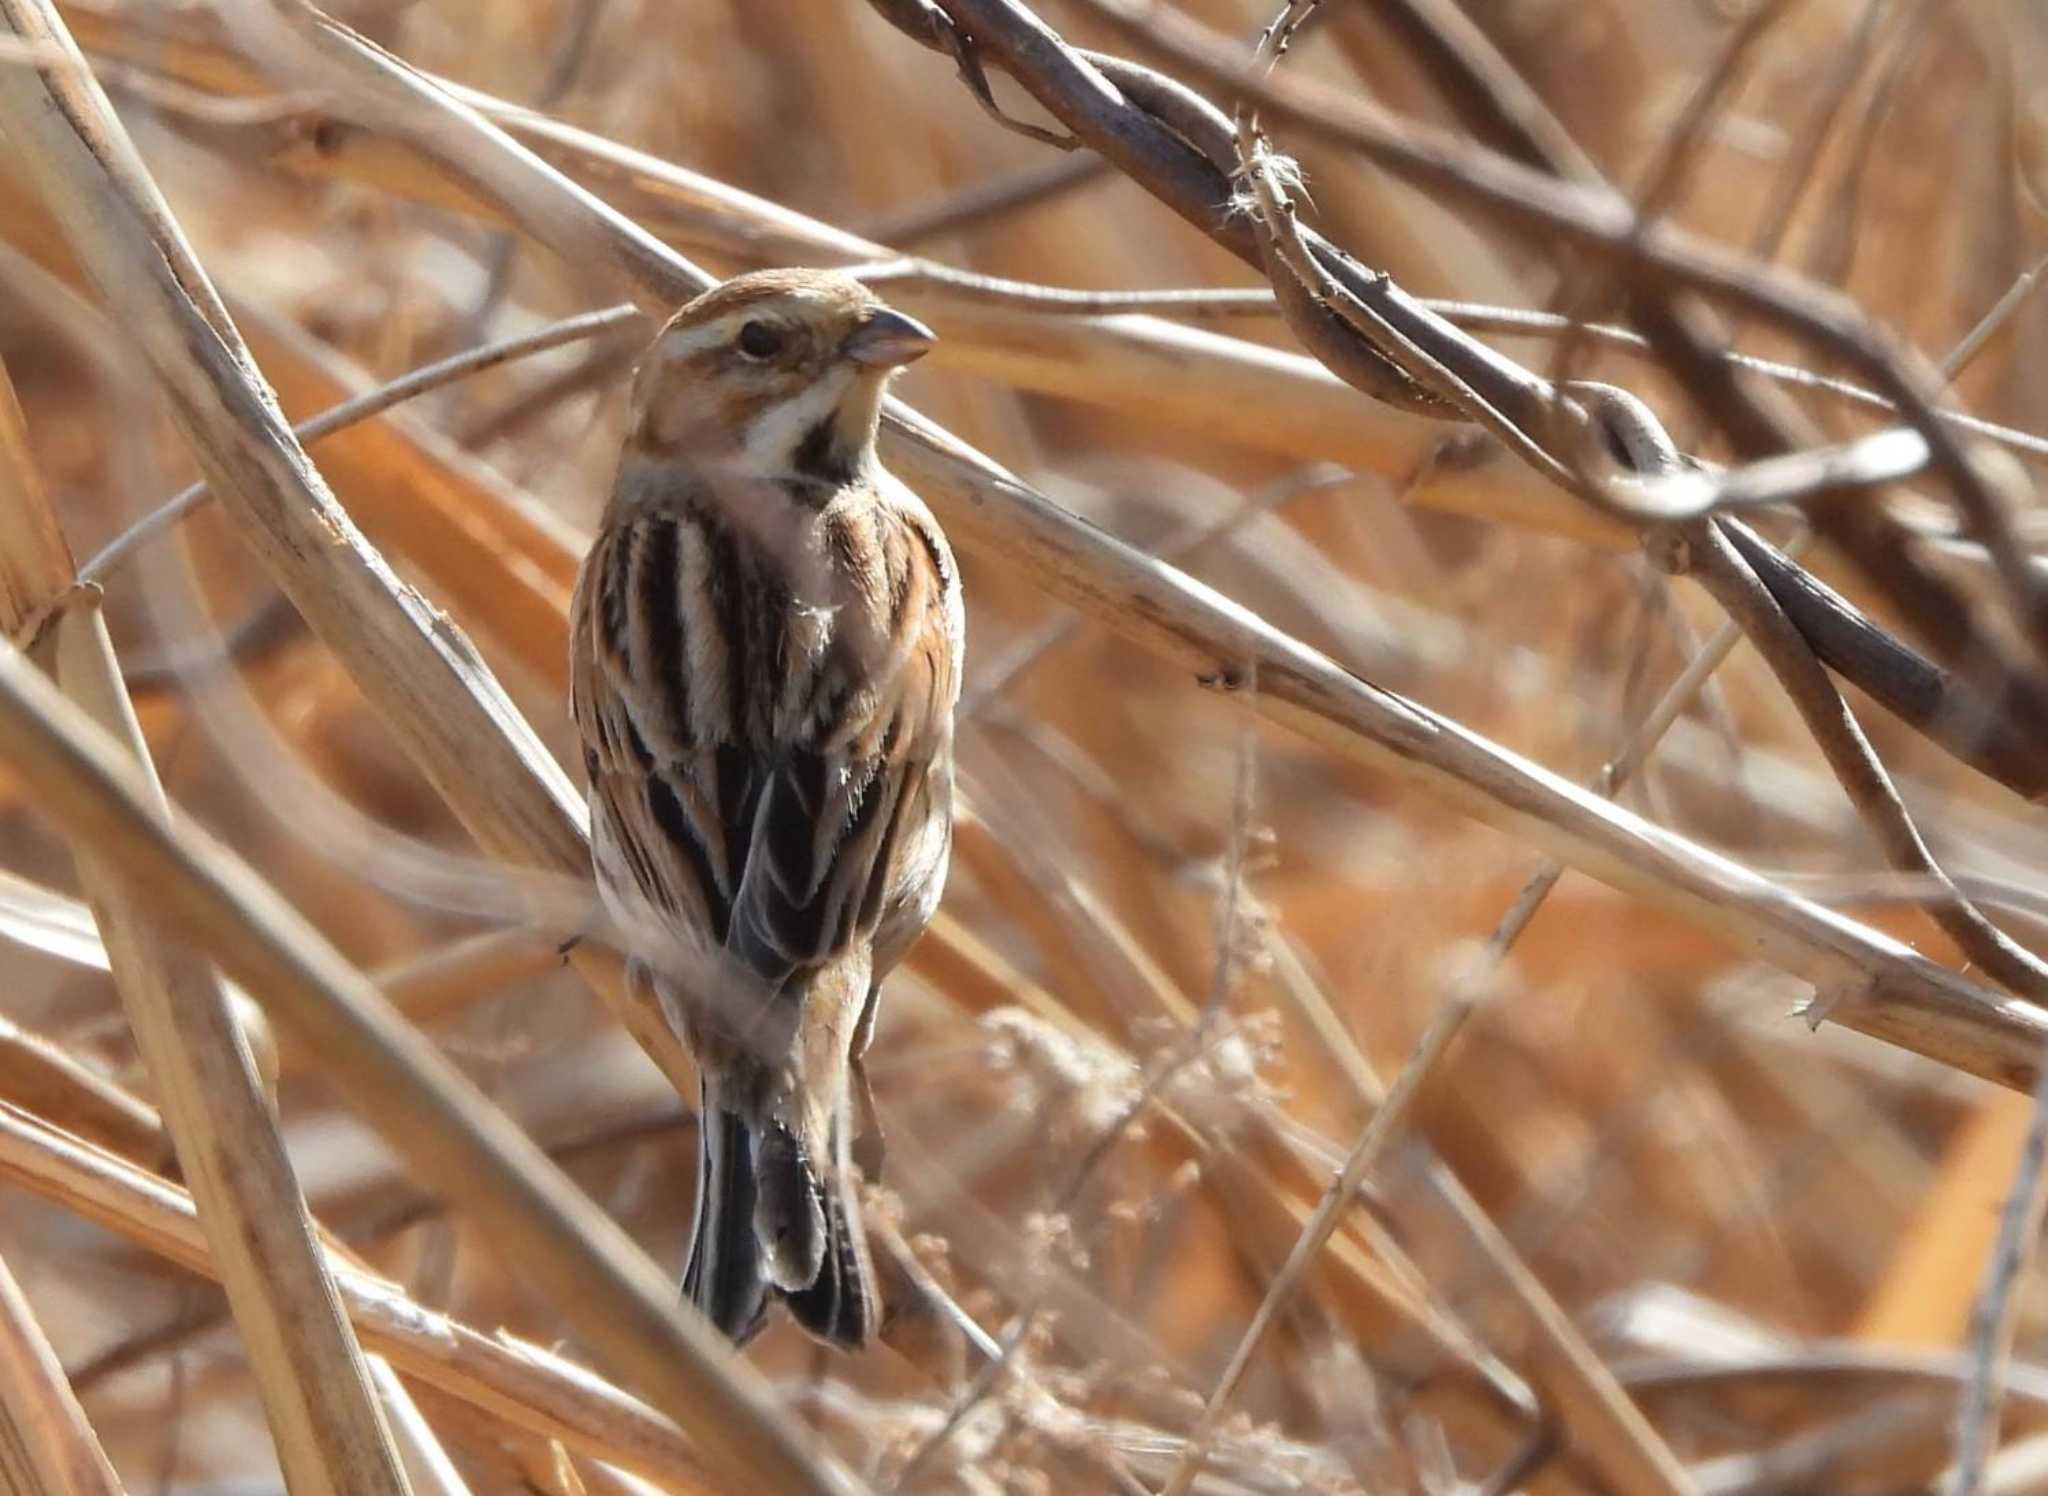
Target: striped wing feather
753, 788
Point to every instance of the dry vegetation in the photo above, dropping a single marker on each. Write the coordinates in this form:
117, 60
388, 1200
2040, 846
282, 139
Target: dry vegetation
1654, 1171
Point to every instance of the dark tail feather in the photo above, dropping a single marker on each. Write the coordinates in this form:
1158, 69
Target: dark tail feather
841, 1304
725, 1279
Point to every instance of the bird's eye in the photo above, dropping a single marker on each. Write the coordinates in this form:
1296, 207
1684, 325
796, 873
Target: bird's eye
759, 341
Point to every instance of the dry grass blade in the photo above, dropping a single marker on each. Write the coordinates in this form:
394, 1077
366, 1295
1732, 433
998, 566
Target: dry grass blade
46, 1444
426, 1463
1995, 1316
576, 1258
325, 1424
1600, 1237
519, 1386
44, 1078
1176, 375
438, 698
1899, 996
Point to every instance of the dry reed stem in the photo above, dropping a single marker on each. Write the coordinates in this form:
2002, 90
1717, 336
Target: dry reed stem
1996, 1315
443, 705
1252, 395
314, 1388
575, 1258
424, 678
50, 1081
46, 1443
1900, 997
515, 1384
426, 1463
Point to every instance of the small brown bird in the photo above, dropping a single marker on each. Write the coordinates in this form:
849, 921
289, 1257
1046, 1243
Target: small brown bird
765, 655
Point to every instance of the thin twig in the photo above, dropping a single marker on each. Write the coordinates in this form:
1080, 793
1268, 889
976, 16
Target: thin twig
524, 1386
1996, 1314
46, 1443
2002, 311
308, 1369
1720, 568
1594, 219
1443, 1027
366, 406
985, 203
569, 1251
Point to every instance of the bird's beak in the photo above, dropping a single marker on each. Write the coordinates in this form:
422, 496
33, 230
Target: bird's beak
888, 340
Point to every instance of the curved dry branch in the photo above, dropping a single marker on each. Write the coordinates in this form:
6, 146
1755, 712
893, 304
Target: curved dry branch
1904, 997
1185, 376
569, 1251
1664, 260
523, 1385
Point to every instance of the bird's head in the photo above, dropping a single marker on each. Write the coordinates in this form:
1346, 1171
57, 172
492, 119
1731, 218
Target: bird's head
777, 374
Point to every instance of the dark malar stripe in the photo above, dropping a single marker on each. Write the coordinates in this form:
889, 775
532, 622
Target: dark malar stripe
819, 457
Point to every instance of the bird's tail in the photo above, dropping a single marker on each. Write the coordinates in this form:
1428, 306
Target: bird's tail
725, 1277
772, 1217
840, 1303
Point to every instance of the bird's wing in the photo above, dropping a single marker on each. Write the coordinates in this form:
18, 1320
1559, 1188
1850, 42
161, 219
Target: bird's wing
839, 797
776, 845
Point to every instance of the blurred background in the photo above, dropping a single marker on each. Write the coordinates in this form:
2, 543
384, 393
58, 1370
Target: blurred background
1181, 951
